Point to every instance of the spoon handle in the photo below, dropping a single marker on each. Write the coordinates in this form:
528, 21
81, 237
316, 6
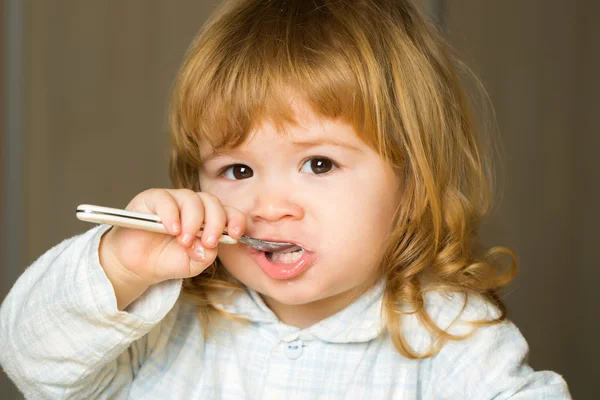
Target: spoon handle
130, 219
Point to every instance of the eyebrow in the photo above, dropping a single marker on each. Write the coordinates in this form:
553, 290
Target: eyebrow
304, 144
322, 141
211, 156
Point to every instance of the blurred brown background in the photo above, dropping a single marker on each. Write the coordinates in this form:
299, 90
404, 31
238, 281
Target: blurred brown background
84, 104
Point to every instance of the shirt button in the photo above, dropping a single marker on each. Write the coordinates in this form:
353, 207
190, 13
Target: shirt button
293, 350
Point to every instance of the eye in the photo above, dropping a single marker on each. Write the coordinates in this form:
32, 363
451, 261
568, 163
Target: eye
238, 171
318, 165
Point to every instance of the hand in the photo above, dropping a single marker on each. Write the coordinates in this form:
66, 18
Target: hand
135, 259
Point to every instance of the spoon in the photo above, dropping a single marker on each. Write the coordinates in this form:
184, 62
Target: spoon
152, 223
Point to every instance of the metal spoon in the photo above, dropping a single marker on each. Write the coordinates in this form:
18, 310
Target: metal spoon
265, 245
152, 223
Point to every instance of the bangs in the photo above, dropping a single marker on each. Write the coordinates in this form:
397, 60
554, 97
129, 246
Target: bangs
249, 66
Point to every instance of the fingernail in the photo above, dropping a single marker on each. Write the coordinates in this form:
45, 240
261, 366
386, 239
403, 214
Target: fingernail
199, 250
237, 230
187, 239
212, 240
175, 227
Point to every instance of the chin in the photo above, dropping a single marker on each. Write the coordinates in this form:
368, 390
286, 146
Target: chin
303, 289
292, 292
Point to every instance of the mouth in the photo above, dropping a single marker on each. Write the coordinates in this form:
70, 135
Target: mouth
284, 264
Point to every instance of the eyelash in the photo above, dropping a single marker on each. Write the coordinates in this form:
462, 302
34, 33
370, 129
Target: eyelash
335, 166
222, 171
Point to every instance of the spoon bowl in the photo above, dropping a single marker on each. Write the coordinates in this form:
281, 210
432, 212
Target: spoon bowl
265, 245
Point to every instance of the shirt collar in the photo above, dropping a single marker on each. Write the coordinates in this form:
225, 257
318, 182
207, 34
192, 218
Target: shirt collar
361, 321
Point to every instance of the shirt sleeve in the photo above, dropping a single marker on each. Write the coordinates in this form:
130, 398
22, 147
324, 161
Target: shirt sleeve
62, 334
492, 364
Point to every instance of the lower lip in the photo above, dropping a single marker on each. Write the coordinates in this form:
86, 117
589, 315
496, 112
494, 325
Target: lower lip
282, 271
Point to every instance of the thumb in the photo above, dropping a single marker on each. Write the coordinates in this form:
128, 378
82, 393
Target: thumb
200, 258
197, 267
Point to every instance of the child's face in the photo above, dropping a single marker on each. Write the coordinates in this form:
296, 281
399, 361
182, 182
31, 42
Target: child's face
319, 186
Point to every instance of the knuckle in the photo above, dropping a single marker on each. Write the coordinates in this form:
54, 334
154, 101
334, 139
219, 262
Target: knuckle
152, 192
210, 197
192, 198
187, 192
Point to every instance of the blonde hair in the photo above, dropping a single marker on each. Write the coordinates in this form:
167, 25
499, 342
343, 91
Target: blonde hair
380, 66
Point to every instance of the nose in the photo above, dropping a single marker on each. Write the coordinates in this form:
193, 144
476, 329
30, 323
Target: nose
273, 205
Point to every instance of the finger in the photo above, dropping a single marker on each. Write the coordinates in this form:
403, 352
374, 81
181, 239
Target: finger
200, 258
214, 220
161, 203
235, 222
166, 207
192, 213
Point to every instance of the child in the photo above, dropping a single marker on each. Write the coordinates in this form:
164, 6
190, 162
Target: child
341, 127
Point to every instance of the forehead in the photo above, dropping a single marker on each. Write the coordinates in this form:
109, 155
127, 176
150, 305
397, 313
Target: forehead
301, 126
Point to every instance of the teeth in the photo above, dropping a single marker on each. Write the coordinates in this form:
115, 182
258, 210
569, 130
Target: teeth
285, 257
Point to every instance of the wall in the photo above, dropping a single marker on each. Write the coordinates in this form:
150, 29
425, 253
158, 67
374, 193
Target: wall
539, 61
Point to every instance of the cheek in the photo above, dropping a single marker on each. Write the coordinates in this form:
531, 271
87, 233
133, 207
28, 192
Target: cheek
229, 195
210, 186
354, 228
366, 209
362, 218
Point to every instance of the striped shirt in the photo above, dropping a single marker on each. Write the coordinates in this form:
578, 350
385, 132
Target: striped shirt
62, 337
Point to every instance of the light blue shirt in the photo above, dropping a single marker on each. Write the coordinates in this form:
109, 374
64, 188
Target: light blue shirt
63, 338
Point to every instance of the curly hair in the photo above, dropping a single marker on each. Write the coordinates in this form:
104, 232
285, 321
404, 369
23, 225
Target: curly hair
381, 66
